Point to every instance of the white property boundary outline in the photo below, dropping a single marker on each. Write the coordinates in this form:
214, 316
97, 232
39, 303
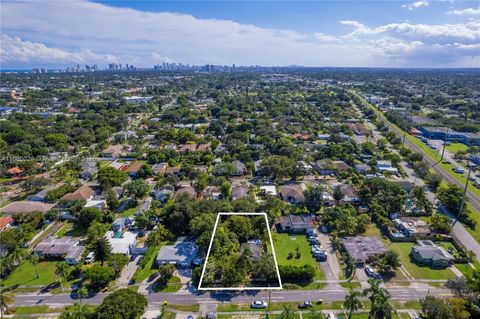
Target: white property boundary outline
241, 288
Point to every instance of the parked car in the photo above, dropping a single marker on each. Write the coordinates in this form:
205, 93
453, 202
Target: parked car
189, 317
139, 260
305, 305
257, 304
210, 315
89, 259
314, 241
330, 316
324, 229
370, 271
458, 170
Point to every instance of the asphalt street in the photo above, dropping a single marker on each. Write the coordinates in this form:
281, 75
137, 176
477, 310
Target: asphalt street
400, 293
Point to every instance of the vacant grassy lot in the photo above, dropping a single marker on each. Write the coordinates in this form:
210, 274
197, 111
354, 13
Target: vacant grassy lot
25, 274
418, 271
456, 147
285, 244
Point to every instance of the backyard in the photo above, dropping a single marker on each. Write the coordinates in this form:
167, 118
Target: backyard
285, 244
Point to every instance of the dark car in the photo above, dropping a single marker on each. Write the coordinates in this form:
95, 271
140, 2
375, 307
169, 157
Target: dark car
139, 260
305, 305
210, 315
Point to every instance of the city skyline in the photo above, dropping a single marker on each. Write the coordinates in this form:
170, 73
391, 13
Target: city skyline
54, 34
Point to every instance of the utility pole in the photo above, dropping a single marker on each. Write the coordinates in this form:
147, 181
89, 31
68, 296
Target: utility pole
444, 143
462, 203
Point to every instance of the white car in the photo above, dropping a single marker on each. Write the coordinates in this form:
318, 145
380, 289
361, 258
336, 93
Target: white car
370, 272
258, 304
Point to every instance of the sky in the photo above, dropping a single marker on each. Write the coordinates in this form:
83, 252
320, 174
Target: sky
63, 33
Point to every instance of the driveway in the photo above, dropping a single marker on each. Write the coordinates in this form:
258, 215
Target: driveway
331, 267
128, 272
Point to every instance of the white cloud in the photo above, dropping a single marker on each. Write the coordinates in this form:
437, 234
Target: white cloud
325, 37
14, 49
465, 12
68, 32
469, 32
161, 59
416, 5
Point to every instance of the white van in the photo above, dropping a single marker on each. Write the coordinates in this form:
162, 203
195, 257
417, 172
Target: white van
89, 258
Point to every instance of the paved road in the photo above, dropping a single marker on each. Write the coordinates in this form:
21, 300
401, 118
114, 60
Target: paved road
402, 293
458, 230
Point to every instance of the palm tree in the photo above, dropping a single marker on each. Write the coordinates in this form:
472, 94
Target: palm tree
17, 255
5, 300
102, 250
380, 300
61, 270
352, 302
78, 311
34, 260
287, 313
82, 293
350, 267
6, 265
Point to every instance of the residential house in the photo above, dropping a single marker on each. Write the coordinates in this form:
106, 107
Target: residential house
164, 194
239, 192
160, 168
114, 151
187, 148
133, 169
67, 248
122, 242
84, 192
412, 227
172, 171
240, 168
5, 222
386, 167
40, 196
145, 206
186, 190
428, 253
26, 208
293, 193
293, 223
88, 169
204, 147
252, 248
182, 253
268, 190
362, 168
362, 248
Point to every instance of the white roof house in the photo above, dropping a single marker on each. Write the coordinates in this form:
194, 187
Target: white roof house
121, 242
269, 190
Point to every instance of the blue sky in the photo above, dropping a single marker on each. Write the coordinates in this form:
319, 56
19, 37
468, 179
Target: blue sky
421, 33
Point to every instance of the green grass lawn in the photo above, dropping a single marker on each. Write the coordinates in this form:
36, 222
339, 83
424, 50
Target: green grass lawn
173, 285
25, 274
28, 310
418, 271
143, 273
285, 244
129, 212
466, 269
71, 229
191, 308
457, 147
